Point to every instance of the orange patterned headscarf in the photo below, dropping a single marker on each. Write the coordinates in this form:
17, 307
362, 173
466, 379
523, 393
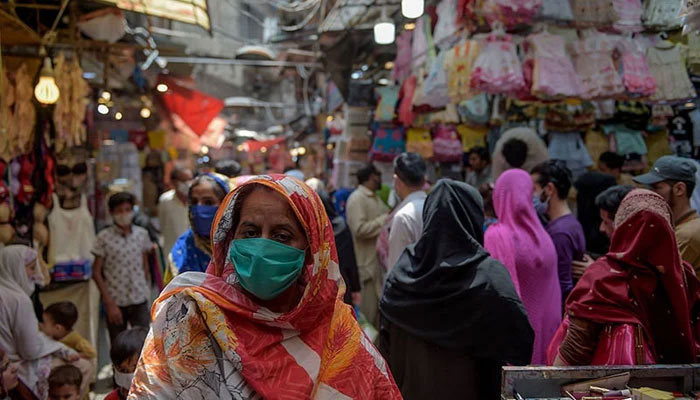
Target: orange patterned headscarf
317, 349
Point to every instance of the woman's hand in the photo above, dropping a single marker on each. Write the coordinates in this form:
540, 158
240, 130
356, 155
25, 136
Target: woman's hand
9, 377
579, 267
114, 314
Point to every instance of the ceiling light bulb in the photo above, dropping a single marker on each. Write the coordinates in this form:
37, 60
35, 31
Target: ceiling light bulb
106, 95
412, 8
329, 118
46, 91
263, 149
301, 151
103, 109
384, 32
204, 150
162, 87
383, 81
389, 65
118, 116
145, 112
409, 26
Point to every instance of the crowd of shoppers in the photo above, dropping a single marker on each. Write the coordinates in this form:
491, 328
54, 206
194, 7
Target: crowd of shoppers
273, 291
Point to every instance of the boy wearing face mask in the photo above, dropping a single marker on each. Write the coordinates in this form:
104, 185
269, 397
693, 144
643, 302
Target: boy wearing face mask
121, 267
552, 183
125, 353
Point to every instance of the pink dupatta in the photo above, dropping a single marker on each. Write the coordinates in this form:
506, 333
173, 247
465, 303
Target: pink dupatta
520, 242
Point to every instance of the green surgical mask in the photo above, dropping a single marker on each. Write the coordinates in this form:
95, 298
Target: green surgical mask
265, 268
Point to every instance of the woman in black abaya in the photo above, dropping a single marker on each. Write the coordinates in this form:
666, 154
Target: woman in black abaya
450, 315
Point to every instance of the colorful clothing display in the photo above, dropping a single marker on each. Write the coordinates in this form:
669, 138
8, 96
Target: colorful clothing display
459, 63
209, 339
593, 12
446, 27
556, 10
635, 68
554, 75
594, 65
663, 14
402, 63
667, 68
629, 15
498, 69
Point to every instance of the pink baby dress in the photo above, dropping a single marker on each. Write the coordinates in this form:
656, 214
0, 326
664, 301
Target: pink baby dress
497, 70
629, 15
402, 64
554, 75
594, 64
636, 76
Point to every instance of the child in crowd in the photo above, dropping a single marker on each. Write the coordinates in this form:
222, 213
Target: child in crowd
125, 353
59, 319
121, 267
64, 383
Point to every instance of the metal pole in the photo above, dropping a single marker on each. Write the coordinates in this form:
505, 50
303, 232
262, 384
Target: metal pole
231, 61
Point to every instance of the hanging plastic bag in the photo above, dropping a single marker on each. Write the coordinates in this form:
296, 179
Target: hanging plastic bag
108, 25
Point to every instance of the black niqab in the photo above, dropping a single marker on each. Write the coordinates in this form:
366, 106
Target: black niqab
447, 290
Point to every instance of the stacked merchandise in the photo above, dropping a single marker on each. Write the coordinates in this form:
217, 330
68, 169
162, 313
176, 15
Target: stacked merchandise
352, 146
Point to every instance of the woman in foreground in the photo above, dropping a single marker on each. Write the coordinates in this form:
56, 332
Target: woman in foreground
267, 319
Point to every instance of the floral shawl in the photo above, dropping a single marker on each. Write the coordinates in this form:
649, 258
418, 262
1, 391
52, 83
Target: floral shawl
209, 340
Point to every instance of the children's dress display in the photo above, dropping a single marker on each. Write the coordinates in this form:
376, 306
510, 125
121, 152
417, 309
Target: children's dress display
667, 68
594, 64
498, 69
554, 75
629, 16
635, 69
663, 14
402, 63
556, 10
459, 62
593, 12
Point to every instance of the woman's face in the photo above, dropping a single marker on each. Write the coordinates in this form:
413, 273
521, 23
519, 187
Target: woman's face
204, 195
267, 214
31, 269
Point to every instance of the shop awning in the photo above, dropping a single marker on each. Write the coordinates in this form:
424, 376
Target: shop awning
193, 12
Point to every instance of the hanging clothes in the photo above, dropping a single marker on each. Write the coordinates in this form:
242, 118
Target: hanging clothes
497, 70
556, 10
554, 75
664, 14
71, 232
570, 148
593, 12
402, 63
629, 16
446, 27
459, 63
593, 59
667, 68
635, 69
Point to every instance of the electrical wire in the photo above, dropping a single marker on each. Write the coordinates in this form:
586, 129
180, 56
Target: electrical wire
304, 22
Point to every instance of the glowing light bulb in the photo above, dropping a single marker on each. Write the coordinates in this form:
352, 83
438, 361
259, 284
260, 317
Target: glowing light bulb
107, 95
412, 8
46, 91
145, 112
118, 116
162, 87
103, 109
384, 32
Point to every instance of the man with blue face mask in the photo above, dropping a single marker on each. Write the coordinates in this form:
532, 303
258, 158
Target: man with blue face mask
552, 182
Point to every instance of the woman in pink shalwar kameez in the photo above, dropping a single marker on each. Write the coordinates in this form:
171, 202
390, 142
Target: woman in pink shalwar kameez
520, 242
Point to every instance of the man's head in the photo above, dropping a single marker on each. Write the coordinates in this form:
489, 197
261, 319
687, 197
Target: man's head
673, 178
515, 152
369, 177
125, 353
409, 174
59, 319
64, 383
611, 163
121, 207
608, 202
479, 158
552, 180
180, 178
229, 168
